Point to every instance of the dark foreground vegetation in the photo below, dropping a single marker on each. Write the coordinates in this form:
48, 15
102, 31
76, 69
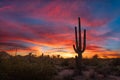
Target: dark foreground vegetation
47, 68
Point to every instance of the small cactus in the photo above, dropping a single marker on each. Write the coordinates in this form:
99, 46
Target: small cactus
79, 46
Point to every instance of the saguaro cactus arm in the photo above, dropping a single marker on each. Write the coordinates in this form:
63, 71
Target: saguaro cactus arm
76, 37
84, 40
80, 40
75, 49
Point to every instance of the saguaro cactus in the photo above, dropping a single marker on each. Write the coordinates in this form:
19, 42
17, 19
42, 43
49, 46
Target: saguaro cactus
80, 45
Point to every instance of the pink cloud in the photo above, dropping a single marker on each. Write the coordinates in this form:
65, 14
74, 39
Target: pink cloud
59, 19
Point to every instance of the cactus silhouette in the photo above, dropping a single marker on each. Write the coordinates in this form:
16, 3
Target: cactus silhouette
79, 46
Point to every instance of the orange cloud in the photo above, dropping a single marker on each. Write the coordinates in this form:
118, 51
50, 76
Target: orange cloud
44, 23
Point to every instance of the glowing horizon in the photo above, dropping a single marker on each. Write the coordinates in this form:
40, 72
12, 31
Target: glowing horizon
47, 27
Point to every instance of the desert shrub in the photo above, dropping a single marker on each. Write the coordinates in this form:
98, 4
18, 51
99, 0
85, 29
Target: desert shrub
103, 69
23, 70
91, 62
95, 61
109, 66
64, 62
115, 70
68, 78
72, 64
115, 62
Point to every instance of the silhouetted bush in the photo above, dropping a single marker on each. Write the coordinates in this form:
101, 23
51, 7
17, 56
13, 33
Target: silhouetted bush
115, 62
46, 68
64, 62
20, 69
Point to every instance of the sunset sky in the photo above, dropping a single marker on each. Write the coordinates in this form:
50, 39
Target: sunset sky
47, 26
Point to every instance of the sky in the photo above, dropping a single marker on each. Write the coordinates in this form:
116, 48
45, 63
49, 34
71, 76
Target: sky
47, 26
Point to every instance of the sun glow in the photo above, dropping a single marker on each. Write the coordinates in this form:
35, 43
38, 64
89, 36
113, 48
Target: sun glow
69, 54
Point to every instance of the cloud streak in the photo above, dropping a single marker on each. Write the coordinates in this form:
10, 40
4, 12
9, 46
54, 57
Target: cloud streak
51, 23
